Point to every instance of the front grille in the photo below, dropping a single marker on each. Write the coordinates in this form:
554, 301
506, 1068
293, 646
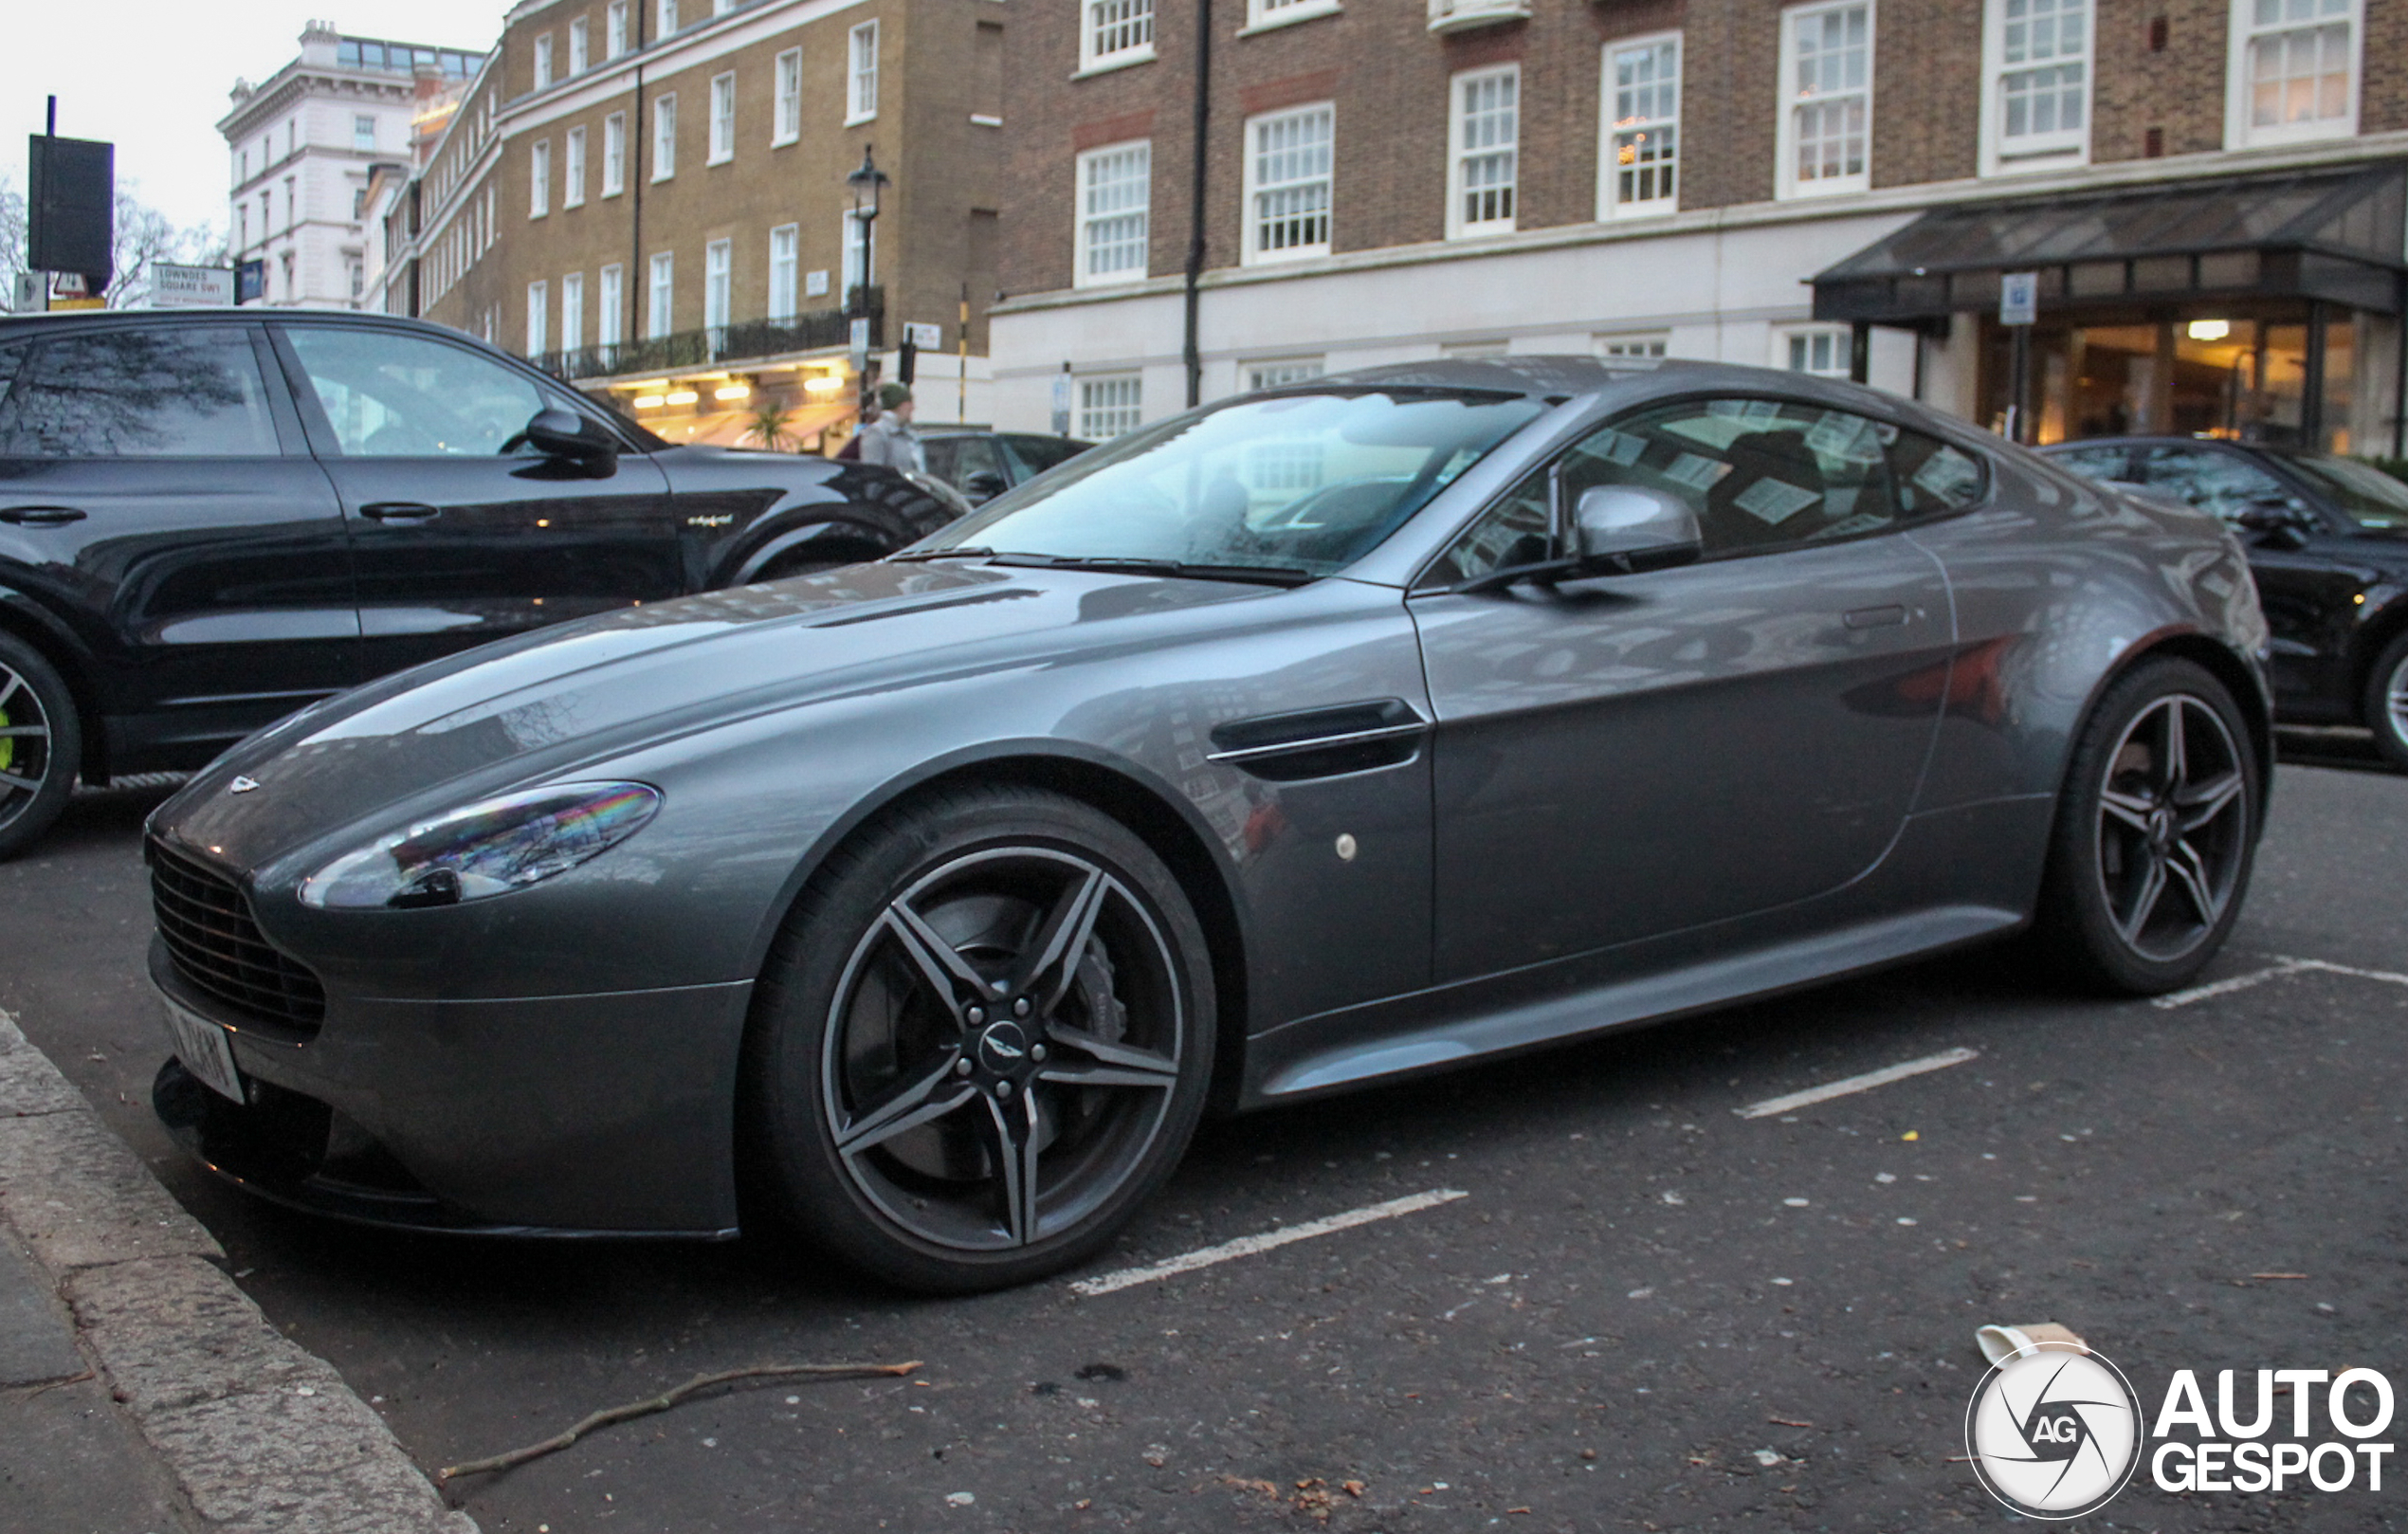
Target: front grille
217, 947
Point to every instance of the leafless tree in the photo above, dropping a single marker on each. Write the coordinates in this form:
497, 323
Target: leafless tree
143, 235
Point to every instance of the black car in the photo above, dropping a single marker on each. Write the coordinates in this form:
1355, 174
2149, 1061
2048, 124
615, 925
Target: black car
209, 519
983, 464
2328, 540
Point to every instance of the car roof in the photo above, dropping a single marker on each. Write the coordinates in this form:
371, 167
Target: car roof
2167, 440
19, 325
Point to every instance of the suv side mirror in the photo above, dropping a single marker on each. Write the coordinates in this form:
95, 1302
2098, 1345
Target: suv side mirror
983, 485
1623, 528
2281, 521
561, 433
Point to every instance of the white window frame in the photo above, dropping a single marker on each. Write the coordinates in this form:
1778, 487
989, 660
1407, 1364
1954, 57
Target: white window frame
614, 153
1786, 337
1611, 203
666, 15
610, 305
1104, 156
539, 317
580, 47
2239, 131
1100, 405
786, 113
1275, 371
785, 263
1252, 250
573, 312
540, 178
664, 136
1636, 344
719, 289
544, 62
861, 74
363, 120
660, 295
1115, 34
615, 29
723, 118
1461, 225
573, 168
1261, 15
1787, 181
852, 259
2032, 151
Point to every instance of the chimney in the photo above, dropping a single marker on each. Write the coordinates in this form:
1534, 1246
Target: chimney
319, 41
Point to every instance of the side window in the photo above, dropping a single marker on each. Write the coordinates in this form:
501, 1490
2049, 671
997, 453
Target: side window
2111, 464
1934, 478
1037, 454
2224, 484
169, 391
1515, 530
390, 395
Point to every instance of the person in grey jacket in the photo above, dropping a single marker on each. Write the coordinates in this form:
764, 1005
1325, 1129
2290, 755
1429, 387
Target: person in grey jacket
889, 439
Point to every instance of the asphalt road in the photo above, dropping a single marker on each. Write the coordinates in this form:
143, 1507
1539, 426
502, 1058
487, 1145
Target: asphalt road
1647, 1312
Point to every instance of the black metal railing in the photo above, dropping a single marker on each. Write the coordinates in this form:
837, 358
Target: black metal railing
812, 332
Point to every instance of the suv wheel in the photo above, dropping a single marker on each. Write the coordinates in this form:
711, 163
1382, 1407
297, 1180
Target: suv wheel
41, 745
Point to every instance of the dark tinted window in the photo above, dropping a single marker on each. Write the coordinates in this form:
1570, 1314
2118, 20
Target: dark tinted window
12, 359
1934, 478
2210, 478
1037, 454
955, 459
2096, 463
170, 391
391, 395
2371, 497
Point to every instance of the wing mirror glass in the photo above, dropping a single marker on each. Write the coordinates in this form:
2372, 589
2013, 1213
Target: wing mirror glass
2279, 520
560, 433
1622, 528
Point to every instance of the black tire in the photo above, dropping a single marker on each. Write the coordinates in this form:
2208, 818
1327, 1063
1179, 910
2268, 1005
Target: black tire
41, 745
889, 1121
2154, 841
2387, 702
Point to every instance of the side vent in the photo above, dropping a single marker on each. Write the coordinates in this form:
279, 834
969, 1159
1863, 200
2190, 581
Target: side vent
1322, 743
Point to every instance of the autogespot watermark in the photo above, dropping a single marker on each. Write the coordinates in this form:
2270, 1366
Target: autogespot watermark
2055, 1432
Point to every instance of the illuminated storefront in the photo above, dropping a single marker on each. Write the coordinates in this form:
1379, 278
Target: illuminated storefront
787, 405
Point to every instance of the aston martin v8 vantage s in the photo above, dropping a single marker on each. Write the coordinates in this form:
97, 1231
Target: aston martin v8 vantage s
1363, 727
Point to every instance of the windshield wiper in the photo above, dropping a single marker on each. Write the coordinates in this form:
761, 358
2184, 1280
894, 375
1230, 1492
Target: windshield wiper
967, 551
1169, 569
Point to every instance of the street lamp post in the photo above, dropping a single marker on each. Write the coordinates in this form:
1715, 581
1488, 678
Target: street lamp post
865, 184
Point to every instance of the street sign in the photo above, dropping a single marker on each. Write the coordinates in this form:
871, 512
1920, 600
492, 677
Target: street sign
2019, 298
70, 196
927, 338
68, 291
251, 280
31, 295
860, 346
1061, 403
188, 287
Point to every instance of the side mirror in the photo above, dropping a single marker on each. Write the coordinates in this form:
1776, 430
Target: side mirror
559, 434
1624, 528
2283, 522
984, 485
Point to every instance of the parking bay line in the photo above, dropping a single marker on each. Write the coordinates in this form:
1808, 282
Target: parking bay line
1858, 1083
2282, 968
1248, 1246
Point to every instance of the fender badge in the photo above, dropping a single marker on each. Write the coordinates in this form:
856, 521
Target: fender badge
242, 785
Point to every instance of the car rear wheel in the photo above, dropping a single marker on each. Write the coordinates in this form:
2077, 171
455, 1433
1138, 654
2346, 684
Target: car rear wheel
2388, 702
41, 745
983, 1038
2155, 834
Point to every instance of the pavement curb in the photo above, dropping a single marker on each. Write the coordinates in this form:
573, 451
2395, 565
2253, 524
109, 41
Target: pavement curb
257, 1434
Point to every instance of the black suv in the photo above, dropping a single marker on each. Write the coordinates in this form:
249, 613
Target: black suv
210, 519
983, 464
2328, 540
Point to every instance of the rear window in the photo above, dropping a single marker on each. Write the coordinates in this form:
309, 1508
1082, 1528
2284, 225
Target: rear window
1037, 454
179, 392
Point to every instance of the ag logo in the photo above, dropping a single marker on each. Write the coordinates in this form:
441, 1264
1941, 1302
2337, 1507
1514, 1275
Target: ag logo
2053, 1433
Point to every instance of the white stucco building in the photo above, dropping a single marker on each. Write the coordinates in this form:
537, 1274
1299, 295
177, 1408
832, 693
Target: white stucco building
301, 147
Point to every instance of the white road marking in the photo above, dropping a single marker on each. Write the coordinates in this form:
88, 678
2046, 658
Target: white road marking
2281, 968
1248, 1246
1858, 1083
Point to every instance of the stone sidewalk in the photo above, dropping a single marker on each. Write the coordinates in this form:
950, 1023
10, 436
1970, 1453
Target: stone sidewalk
141, 1391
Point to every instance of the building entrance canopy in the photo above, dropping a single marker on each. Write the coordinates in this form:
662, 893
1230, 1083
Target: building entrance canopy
2333, 235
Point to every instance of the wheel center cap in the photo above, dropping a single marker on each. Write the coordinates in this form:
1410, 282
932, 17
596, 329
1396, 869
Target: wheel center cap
2160, 827
1003, 1049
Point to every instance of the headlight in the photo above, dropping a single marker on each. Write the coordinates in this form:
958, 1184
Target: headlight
487, 849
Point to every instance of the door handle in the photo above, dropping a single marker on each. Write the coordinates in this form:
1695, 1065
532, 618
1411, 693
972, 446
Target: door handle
400, 511
1876, 617
41, 516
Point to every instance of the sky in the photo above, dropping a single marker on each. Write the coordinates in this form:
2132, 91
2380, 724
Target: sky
152, 77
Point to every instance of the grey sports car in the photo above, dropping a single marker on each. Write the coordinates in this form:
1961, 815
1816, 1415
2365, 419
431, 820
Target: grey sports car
1365, 727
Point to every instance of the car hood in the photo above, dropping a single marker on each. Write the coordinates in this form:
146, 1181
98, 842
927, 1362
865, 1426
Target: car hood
547, 703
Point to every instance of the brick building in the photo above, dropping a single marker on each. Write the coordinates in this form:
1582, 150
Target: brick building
652, 197
2210, 192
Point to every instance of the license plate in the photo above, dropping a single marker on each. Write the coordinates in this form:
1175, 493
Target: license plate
206, 1049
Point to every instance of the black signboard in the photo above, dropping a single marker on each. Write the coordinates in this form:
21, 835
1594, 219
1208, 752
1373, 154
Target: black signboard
71, 194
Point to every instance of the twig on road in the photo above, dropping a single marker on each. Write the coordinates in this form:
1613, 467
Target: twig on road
661, 1403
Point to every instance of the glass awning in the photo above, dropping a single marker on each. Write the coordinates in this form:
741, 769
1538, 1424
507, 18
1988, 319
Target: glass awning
2332, 233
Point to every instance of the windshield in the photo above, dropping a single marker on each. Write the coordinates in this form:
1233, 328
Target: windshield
1300, 483
2371, 497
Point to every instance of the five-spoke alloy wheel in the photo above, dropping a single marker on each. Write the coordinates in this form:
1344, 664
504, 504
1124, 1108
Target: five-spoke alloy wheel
2156, 832
987, 1038
2386, 707
40, 745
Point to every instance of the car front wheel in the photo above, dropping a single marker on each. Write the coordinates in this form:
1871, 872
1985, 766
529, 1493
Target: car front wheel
983, 1038
41, 745
2388, 702
2156, 832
